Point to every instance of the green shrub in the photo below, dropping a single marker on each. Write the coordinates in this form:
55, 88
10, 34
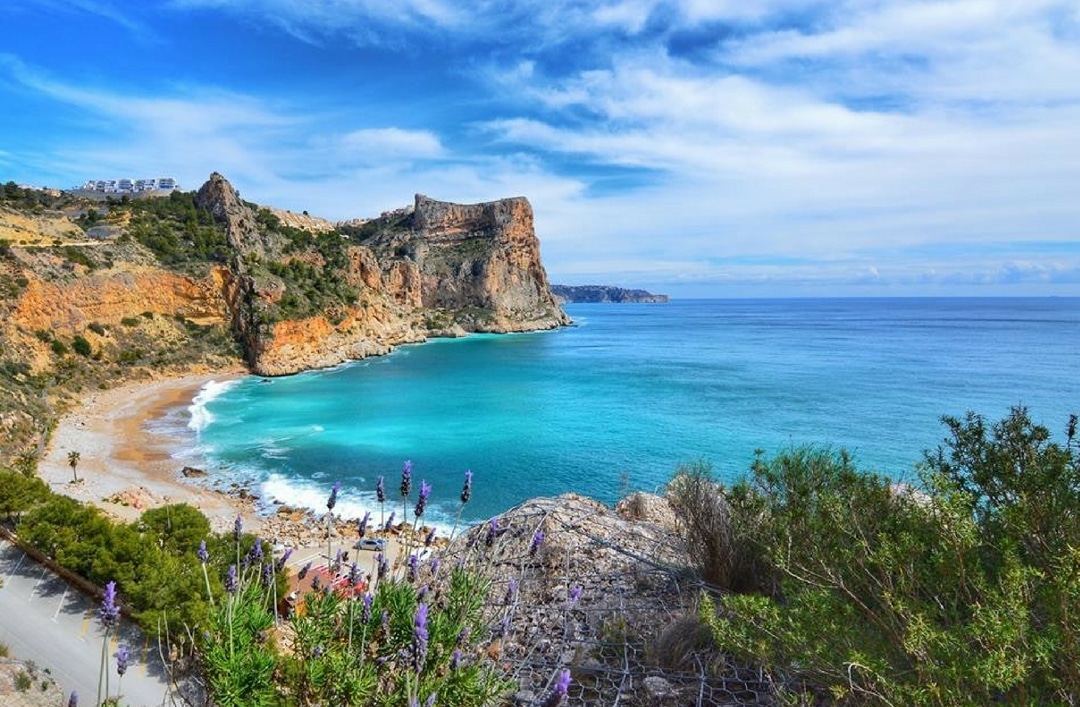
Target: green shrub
59, 348
81, 345
129, 321
964, 591
96, 328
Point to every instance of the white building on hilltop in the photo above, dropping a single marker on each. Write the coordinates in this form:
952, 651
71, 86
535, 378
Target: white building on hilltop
130, 186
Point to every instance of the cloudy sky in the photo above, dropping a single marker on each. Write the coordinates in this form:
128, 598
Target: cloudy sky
697, 147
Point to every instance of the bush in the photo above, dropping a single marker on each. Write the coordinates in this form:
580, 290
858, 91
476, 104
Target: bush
58, 347
962, 592
81, 345
726, 555
97, 328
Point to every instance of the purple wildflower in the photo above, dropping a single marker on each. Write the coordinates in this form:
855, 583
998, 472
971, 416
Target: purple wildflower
267, 574
230, 580
492, 532
383, 564
537, 541
420, 637
558, 695
421, 501
430, 537
575, 594
422, 592
455, 660
511, 587
406, 479
435, 565
389, 522
362, 528
339, 558
238, 528
414, 567
316, 583
466, 490
202, 553
280, 565
430, 701
123, 659
257, 551
332, 501
380, 489
73, 701
366, 616
354, 575
304, 570
109, 612
385, 620
463, 636
502, 628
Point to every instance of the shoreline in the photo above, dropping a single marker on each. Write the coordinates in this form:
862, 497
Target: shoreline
125, 468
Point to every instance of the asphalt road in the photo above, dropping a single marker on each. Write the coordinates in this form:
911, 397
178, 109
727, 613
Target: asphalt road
45, 620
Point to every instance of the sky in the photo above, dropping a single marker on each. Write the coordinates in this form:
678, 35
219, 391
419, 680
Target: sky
701, 148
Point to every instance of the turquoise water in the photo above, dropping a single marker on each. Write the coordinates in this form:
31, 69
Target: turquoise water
622, 398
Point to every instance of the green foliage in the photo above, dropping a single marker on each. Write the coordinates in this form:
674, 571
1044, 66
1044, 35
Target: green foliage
20, 493
963, 592
175, 229
58, 347
78, 256
97, 328
81, 345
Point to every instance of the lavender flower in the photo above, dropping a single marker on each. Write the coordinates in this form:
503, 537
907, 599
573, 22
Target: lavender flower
466, 490
385, 620
384, 565
354, 575
123, 659
362, 528
389, 522
257, 551
280, 565
238, 528
332, 501
511, 587
574, 595
73, 701
267, 574
455, 660
406, 479
339, 558
380, 489
421, 501
366, 615
430, 701
304, 570
558, 695
422, 592
202, 553
230, 580
109, 612
430, 537
463, 636
414, 567
492, 532
435, 565
537, 541
420, 637
316, 583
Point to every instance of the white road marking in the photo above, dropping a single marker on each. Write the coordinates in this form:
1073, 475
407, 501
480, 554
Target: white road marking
22, 556
60, 604
41, 577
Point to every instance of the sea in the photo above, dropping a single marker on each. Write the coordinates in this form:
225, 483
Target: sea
631, 392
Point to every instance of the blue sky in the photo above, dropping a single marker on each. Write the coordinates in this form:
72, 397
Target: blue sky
696, 147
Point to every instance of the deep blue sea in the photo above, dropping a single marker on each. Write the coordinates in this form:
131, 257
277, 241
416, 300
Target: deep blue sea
619, 400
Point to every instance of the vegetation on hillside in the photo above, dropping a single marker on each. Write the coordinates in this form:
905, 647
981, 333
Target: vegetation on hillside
842, 583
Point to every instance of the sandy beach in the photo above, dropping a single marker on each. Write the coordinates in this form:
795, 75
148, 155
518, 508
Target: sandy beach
124, 468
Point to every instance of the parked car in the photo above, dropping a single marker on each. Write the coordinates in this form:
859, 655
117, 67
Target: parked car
378, 544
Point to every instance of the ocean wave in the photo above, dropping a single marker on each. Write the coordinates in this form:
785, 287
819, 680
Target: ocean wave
201, 416
351, 504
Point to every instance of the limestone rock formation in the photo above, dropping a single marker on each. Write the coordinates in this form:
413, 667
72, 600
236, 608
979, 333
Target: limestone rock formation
604, 293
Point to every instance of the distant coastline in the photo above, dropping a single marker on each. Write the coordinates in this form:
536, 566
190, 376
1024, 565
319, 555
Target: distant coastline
604, 293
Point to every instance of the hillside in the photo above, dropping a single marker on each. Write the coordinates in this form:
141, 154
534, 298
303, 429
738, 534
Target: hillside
604, 293
94, 292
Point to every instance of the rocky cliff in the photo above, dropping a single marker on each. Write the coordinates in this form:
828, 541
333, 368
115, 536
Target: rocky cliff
440, 270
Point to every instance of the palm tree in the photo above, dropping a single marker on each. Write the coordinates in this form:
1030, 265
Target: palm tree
73, 461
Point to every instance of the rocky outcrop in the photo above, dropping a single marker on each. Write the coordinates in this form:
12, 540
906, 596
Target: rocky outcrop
604, 293
440, 269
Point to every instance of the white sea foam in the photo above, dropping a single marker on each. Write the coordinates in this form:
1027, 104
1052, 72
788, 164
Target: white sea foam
200, 415
351, 504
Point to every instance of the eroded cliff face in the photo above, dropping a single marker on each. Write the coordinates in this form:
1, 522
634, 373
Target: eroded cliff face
443, 270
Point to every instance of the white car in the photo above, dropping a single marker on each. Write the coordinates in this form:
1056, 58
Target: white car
378, 544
